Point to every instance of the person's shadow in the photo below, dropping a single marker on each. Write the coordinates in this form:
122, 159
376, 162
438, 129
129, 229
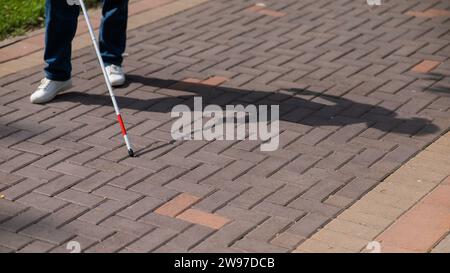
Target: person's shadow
296, 105
442, 85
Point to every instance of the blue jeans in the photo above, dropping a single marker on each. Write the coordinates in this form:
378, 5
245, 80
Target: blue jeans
61, 25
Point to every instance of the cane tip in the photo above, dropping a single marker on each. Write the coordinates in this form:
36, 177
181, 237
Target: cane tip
131, 153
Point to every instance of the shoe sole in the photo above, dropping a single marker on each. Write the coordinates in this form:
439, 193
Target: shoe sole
70, 85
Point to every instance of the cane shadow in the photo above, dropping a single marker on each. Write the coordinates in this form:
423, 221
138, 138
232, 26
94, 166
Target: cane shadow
153, 147
296, 105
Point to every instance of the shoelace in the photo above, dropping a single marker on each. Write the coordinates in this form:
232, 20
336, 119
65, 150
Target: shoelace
44, 83
114, 69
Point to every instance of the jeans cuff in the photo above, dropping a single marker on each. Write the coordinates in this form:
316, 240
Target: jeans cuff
59, 78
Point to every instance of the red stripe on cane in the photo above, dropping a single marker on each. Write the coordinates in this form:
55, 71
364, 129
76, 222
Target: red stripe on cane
122, 125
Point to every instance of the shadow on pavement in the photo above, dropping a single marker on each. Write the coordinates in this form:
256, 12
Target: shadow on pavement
442, 87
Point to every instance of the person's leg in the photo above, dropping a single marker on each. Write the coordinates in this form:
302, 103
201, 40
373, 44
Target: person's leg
61, 25
113, 31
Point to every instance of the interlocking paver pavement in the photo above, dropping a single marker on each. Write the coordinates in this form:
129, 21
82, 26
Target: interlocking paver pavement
361, 90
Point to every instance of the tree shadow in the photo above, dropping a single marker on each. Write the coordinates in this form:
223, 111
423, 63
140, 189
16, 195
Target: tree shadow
296, 105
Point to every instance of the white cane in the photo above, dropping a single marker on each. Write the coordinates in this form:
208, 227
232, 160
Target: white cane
102, 65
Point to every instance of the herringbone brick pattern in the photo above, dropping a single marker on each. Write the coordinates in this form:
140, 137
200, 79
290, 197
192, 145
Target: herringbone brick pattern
361, 90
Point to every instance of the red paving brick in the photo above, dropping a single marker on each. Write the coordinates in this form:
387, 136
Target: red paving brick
215, 81
192, 80
354, 107
177, 205
422, 226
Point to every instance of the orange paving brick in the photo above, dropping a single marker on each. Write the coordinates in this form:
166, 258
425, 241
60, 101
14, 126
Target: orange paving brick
425, 66
423, 225
177, 205
438, 12
204, 218
440, 197
142, 6
446, 181
191, 80
255, 8
215, 81
36, 42
265, 11
272, 13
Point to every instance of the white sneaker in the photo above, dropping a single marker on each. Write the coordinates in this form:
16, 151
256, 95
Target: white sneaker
48, 90
115, 75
